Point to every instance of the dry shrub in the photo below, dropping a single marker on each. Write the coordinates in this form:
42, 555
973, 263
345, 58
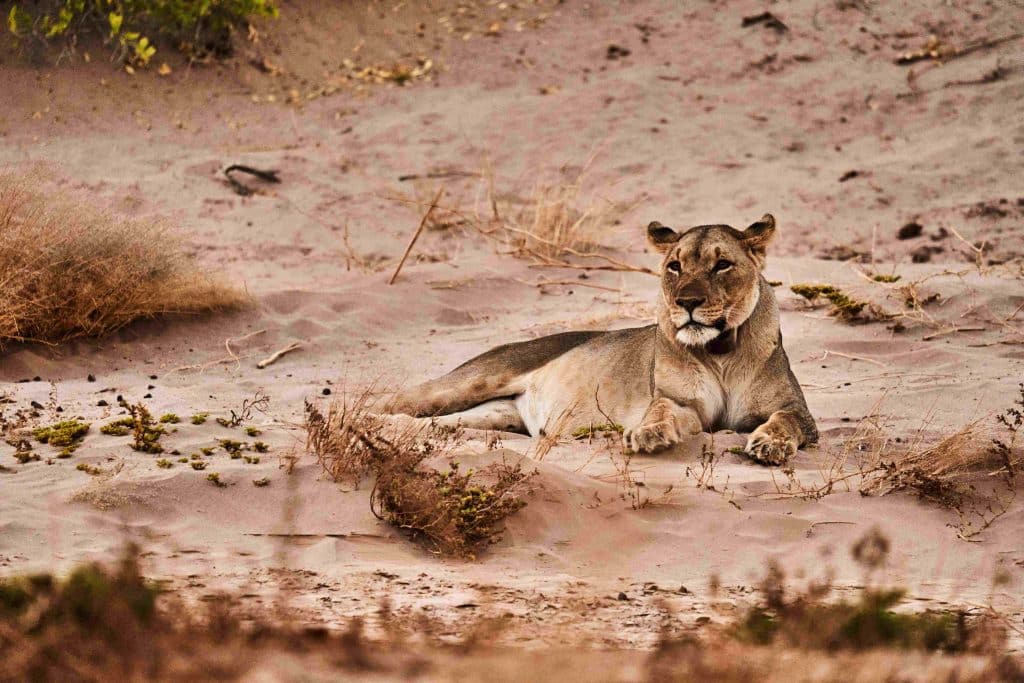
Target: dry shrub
952, 471
69, 269
551, 224
452, 512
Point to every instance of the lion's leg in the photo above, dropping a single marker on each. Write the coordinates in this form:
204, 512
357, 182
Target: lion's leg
778, 438
500, 415
453, 393
664, 424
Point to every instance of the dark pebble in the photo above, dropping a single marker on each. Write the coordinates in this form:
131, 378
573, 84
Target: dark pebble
921, 255
102, 403
91, 378
37, 405
148, 396
910, 231
326, 392
622, 596
152, 377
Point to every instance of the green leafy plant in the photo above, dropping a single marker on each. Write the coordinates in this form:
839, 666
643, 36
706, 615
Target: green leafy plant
67, 434
198, 29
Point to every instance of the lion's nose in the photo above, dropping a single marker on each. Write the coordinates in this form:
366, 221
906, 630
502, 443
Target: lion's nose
689, 304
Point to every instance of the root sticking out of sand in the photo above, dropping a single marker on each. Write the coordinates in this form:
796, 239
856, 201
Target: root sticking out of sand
70, 269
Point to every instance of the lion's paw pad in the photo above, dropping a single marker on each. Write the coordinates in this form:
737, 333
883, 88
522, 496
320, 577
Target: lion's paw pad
769, 448
652, 437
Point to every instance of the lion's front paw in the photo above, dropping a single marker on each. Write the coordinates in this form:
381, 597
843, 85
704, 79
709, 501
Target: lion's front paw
653, 436
770, 445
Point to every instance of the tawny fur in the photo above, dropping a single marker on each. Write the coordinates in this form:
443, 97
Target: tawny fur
714, 360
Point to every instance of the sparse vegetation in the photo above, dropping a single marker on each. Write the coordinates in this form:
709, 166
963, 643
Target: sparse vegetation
130, 27
214, 478
260, 447
66, 435
25, 457
170, 418
806, 620
121, 427
164, 464
69, 269
103, 623
198, 464
842, 306
199, 418
261, 482
89, 469
967, 471
140, 424
455, 513
593, 430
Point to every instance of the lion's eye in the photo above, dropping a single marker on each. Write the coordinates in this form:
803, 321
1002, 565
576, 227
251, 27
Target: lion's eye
722, 265
674, 266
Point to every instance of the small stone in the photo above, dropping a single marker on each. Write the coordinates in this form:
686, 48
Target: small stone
910, 231
622, 596
102, 403
921, 255
91, 378
326, 392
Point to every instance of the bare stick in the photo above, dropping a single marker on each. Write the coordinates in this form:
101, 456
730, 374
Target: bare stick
851, 357
229, 341
416, 235
277, 354
569, 283
951, 330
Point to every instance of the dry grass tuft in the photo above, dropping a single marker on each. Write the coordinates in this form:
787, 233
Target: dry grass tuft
551, 224
69, 269
969, 471
454, 513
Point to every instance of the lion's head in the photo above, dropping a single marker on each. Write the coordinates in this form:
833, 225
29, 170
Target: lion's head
710, 278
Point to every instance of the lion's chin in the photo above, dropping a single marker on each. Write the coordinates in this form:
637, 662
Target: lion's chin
696, 335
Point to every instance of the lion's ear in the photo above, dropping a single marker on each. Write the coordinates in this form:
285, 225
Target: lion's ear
662, 236
759, 234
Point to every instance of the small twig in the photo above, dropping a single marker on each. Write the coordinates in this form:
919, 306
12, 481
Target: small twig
569, 283
951, 330
810, 529
828, 353
416, 235
229, 341
277, 354
437, 174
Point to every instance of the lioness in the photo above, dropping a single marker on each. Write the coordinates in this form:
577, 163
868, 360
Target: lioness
714, 360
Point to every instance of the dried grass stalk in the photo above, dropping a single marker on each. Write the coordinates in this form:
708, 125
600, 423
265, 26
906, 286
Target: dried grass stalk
68, 269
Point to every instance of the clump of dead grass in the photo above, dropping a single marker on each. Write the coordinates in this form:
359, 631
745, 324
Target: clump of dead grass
70, 269
969, 471
453, 512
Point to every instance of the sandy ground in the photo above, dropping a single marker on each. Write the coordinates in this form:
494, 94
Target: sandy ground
703, 121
